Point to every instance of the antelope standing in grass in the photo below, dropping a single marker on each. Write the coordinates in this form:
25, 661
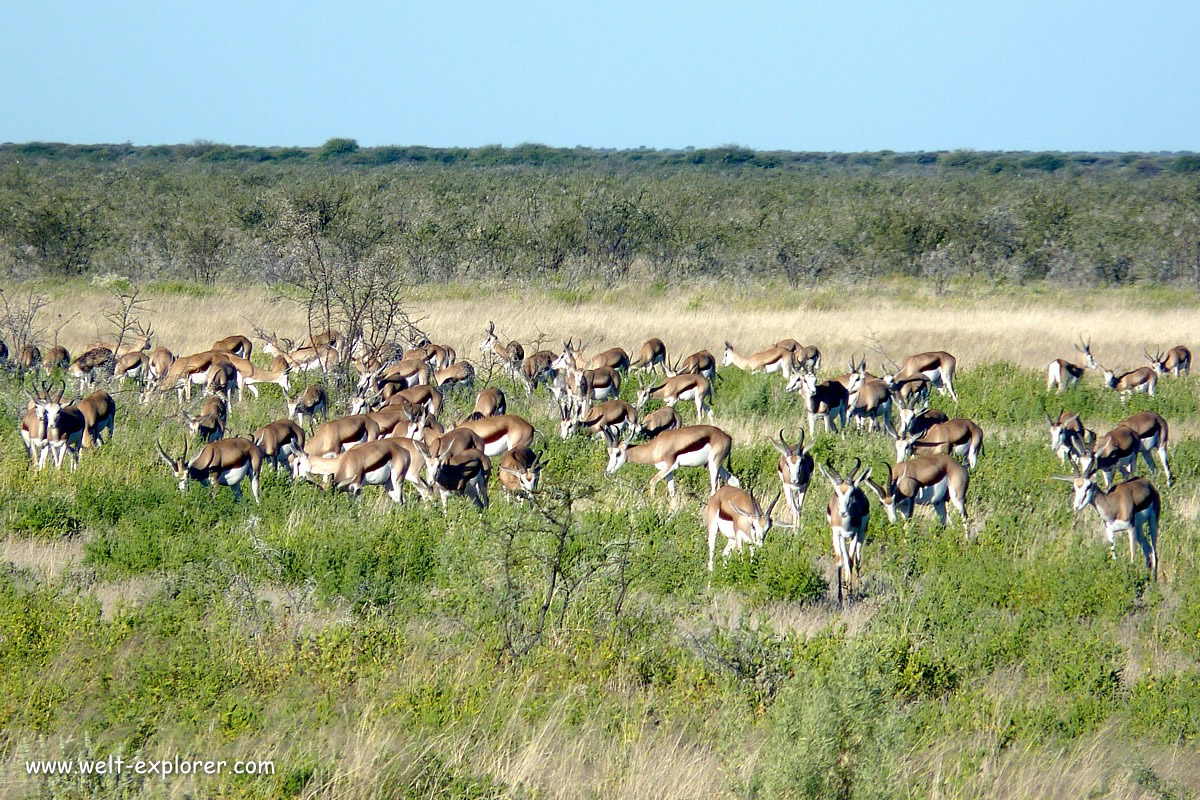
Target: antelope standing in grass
915, 420
1131, 507
520, 471
458, 375
958, 437
1152, 432
383, 462
226, 462
512, 354
134, 344
910, 391
871, 402
83, 367
1067, 435
341, 434
237, 345
1116, 450
209, 427
132, 365
538, 369
701, 362
64, 428
1062, 374
500, 434
193, 370
773, 359
613, 358
99, 416
804, 357
795, 470
29, 357
663, 419
453, 471
1177, 361
57, 357
651, 357
927, 481
938, 366
249, 375
33, 427
222, 379
847, 513
313, 401
159, 363
490, 403
1142, 379
735, 514
692, 446
613, 415
279, 441
826, 401
682, 387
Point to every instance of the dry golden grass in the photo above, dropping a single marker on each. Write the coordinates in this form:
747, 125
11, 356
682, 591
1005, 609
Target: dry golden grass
1026, 331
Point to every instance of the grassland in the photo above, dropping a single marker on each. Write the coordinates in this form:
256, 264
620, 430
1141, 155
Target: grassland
375, 651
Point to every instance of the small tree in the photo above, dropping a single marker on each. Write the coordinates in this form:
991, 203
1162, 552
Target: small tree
19, 312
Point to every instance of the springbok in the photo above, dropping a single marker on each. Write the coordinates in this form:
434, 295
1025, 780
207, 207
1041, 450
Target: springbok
613, 415
279, 441
29, 357
734, 513
804, 357
337, 435
692, 446
1132, 507
773, 359
1067, 435
1178, 361
871, 401
464, 472
938, 366
701, 362
57, 357
651, 357
313, 401
682, 387
928, 481
847, 513
237, 345
83, 367
490, 403
1116, 450
915, 420
500, 434
1152, 430
520, 471
226, 462
795, 472
383, 462
1063, 374
958, 437
827, 401
1142, 379
663, 419
511, 354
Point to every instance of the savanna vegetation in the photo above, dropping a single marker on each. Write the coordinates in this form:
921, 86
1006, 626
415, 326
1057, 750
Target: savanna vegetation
576, 646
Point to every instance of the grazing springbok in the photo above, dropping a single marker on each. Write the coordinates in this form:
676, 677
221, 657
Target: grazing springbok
847, 513
659, 420
804, 357
336, 435
735, 514
1116, 450
871, 402
1142, 379
958, 437
701, 362
1132, 507
1152, 430
490, 403
226, 462
795, 470
383, 462
500, 434
927, 481
237, 345
692, 446
682, 387
57, 357
613, 415
916, 419
651, 357
83, 367
313, 401
279, 441
938, 366
454, 471
29, 357
520, 472
773, 359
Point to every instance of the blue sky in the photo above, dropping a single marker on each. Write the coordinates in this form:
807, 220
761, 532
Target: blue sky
798, 76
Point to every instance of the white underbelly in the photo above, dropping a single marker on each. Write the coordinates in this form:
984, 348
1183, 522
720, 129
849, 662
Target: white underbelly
934, 493
230, 477
696, 458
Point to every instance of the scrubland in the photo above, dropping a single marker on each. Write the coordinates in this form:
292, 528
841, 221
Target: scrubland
373, 651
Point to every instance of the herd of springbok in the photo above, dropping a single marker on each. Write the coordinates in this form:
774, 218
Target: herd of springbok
392, 436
